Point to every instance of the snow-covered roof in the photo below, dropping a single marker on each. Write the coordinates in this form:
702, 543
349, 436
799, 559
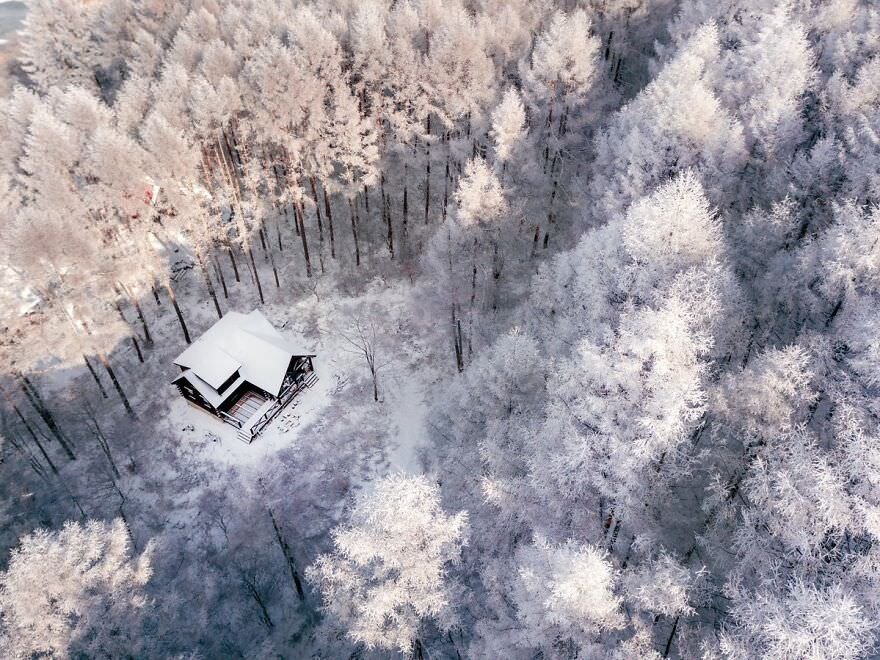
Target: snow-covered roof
210, 394
214, 366
246, 343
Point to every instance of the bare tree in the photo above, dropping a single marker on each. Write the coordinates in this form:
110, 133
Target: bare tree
364, 338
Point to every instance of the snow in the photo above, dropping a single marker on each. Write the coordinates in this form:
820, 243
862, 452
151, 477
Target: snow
210, 363
11, 18
408, 406
218, 443
208, 392
241, 341
12, 15
223, 446
403, 390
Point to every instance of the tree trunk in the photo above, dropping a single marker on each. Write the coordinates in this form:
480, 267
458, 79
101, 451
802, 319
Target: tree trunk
563, 123
137, 349
35, 464
496, 272
47, 417
95, 376
386, 213
317, 208
548, 131
204, 268
446, 188
232, 170
628, 554
834, 311
262, 234
233, 262
295, 221
405, 201
550, 218
134, 341
669, 641
220, 276
104, 361
102, 442
427, 169
354, 233
251, 587
140, 312
614, 534
288, 556
274, 267
460, 347
474, 277
22, 448
250, 253
178, 312
329, 215
34, 437
298, 215
456, 339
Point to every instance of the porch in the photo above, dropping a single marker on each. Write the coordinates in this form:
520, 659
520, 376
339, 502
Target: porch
253, 410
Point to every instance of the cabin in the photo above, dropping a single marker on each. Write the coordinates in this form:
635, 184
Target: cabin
243, 371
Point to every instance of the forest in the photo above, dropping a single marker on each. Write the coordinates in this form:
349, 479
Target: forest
593, 290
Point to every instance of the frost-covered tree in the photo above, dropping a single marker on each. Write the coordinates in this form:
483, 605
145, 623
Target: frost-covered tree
75, 592
676, 122
565, 595
626, 403
632, 247
765, 77
667, 236
480, 196
470, 253
388, 571
854, 112
769, 395
662, 586
462, 75
563, 64
798, 621
508, 126
487, 418
58, 48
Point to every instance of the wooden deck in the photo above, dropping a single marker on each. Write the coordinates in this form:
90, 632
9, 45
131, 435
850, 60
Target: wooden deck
253, 412
259, 419
246, 406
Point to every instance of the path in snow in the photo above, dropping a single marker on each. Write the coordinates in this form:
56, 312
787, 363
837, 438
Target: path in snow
406, 404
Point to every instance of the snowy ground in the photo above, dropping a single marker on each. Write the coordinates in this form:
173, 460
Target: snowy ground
12, 15
408, 405
403, 386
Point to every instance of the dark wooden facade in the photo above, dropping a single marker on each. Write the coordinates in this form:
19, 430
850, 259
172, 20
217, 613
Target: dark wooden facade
300, 372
